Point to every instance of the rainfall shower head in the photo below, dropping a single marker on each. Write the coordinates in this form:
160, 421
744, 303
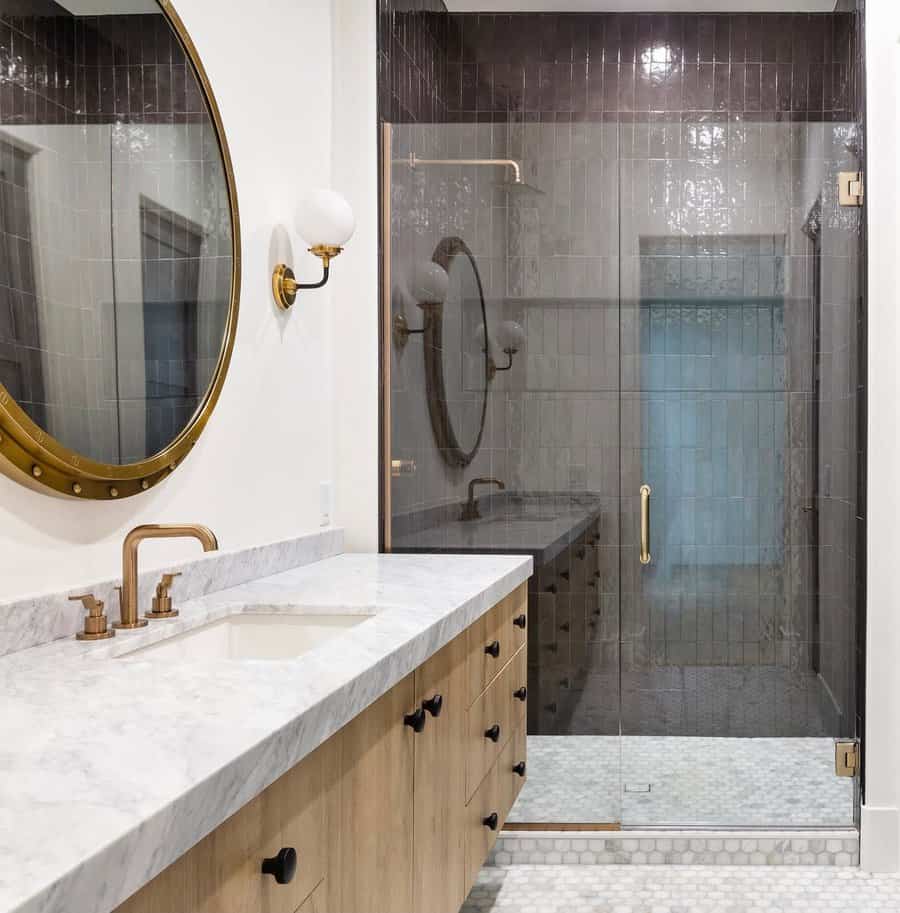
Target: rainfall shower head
519, 189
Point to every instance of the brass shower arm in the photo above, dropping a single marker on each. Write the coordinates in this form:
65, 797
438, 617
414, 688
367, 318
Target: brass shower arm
413, 160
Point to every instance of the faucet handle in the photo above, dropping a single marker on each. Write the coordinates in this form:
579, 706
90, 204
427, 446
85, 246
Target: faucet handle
162, 601
95, 622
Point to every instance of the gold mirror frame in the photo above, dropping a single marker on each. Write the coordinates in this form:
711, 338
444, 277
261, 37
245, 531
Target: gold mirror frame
32, 456
445, 437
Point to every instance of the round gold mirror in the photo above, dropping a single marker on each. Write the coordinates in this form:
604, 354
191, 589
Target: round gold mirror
457, 355
119, 246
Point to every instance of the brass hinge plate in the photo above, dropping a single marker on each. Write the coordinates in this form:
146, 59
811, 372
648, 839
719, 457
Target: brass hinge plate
846, 758
850, 188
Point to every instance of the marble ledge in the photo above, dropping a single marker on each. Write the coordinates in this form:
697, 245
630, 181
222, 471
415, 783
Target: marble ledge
38, 618
95, 802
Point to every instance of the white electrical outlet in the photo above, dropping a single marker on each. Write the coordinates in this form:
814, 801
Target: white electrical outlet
325, 503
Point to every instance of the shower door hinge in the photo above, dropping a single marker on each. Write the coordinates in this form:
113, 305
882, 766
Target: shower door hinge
846, 758
850, 188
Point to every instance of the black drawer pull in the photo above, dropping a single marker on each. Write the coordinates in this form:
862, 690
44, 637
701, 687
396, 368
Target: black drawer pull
521, 694
492, 820
282, 867
519, 768
434, 705
493, 733
493, 649
415, 720
520, 621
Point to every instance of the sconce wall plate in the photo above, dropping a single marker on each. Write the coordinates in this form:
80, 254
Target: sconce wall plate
402, 331
285, 285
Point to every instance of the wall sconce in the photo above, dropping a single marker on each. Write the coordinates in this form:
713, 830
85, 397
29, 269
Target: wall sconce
326, 222
429, 287
511, 337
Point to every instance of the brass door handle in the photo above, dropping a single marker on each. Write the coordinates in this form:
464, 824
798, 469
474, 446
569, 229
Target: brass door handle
645, 524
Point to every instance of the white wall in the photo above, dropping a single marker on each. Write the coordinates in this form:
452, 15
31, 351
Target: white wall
255, 474
355, 284
880, 819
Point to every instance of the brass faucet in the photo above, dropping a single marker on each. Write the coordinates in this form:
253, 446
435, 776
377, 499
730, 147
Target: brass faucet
470, 509
128, 607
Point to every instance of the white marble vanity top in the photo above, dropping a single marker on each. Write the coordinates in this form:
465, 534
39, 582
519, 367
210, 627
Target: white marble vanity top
111, 767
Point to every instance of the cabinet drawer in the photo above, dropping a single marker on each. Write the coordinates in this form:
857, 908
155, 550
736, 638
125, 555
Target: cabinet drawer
511, 776
223, 873
493, 639
493, 797
498, 710
315, 903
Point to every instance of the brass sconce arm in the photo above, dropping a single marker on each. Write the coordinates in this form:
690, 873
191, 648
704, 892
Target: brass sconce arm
493, 369
284, 284
402, 330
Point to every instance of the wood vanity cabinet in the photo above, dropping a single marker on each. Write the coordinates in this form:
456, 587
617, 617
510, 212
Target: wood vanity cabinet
395, 813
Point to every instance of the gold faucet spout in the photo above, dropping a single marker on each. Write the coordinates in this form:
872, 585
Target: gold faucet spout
470, 509
128, 616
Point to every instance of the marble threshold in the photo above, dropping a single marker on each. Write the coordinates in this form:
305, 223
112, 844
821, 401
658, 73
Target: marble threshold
112, 766
674, 846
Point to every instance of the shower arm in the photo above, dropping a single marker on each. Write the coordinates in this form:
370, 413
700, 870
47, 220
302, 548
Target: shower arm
512, 164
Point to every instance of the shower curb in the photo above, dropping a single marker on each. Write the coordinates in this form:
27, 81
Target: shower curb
633, 847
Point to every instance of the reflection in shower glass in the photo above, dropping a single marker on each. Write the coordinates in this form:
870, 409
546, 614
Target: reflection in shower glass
693, 310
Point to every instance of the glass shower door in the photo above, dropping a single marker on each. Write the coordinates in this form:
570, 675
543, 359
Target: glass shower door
737, 654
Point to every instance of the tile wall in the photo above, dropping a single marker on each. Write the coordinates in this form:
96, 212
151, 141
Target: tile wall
682, 160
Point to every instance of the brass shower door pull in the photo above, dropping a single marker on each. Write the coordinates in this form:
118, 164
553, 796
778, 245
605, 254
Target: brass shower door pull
645, 524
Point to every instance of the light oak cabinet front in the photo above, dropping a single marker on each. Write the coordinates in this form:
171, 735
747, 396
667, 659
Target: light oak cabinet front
395, 813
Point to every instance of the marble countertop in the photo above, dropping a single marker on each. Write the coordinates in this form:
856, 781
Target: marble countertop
111, 767
540, 527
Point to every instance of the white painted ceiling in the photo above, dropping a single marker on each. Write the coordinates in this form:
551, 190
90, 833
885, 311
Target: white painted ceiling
641, 6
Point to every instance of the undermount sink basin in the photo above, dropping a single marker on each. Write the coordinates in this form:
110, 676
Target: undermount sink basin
251, 636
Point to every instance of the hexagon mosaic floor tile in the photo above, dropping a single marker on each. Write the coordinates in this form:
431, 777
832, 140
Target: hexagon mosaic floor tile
681, 889
671, 781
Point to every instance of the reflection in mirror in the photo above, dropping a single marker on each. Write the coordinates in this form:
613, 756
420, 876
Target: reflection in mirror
456, 356
115, 227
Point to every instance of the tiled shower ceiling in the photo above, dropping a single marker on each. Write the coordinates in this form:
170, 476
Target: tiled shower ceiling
641, 6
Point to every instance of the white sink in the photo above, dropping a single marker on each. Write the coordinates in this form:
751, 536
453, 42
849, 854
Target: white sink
250, 636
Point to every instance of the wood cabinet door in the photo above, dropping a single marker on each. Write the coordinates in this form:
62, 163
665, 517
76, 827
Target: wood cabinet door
223, 872
440, 783
370, 864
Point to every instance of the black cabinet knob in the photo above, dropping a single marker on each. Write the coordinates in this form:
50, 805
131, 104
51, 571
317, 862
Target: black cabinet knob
521, 694
415, 720
519, 768
493, 733
492, 820
553, 588
520, 621
493, 649
564, 574
282, 867
434, 705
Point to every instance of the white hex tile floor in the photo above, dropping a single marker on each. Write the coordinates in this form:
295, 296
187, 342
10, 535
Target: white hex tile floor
651, 781
680, 889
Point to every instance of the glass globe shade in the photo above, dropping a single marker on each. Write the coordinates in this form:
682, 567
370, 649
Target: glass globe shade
510, 335
325, 218
430, 283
